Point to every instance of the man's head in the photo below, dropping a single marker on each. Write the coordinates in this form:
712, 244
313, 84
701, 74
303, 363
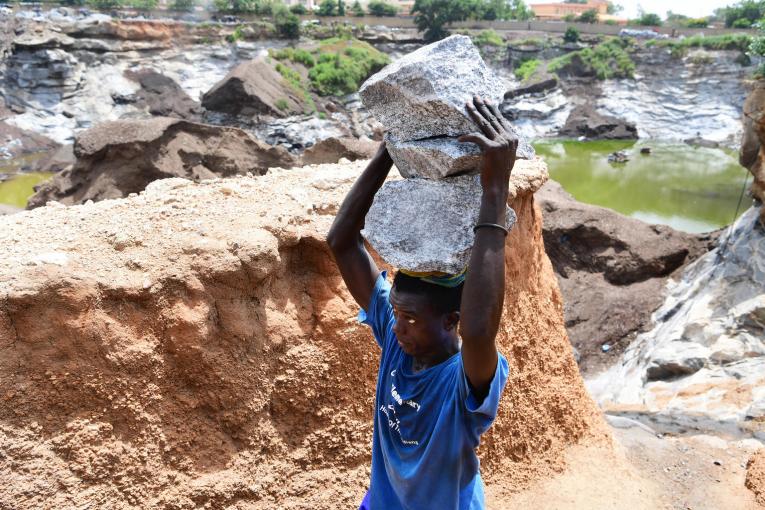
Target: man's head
426, 314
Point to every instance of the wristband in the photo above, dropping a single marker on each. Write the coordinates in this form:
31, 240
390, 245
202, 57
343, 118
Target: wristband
491, 225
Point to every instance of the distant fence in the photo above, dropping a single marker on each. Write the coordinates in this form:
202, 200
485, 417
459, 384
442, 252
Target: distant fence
408, 22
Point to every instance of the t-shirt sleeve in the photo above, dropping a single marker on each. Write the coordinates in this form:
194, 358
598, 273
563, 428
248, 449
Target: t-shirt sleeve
480, 415
379, 313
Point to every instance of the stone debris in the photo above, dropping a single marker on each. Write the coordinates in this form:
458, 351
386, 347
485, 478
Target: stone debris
426, 225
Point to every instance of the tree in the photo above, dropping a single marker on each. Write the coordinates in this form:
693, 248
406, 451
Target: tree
517, 9
357, 9
381, 8
589, 16
751, 10
285, 21
571, 35
649, 19
433, 16
298, 9
613, 8
340, 8
327, 8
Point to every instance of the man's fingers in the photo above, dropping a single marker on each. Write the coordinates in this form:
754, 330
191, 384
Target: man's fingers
476, 138
501, 118
483, 107
481, 121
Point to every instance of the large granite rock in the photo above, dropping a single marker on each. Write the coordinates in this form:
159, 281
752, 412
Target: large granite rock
427, 225
423, 94
254, 87
117, 158
160, 95
434, 158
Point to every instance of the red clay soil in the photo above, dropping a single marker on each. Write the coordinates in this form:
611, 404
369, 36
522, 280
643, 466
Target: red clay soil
194, 347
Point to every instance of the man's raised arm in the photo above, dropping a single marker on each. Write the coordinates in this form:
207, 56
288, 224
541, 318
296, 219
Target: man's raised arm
484, 291
358, 269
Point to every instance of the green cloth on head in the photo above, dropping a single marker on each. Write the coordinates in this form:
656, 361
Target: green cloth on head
438, 278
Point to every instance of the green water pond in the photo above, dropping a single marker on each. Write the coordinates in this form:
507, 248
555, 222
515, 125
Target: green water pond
694, 189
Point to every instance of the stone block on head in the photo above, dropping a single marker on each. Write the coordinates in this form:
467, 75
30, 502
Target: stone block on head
423, 94
426, 225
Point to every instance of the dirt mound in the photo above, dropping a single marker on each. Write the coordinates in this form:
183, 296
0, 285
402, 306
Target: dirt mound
755, 475
254, 87
121, 157
194, 346
612, 271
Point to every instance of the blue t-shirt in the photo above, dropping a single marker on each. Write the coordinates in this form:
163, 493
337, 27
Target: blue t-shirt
426, 424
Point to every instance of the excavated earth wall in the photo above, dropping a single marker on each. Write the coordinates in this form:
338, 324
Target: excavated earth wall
195, 347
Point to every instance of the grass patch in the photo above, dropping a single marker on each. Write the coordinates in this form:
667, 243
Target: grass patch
679, 48
609, 59
282, 104
526, 69
488, 38
530, 41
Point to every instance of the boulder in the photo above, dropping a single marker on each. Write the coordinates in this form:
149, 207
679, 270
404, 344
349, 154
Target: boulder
423, 94
584, 121
161, 96
331, 150
117, 158
752, 151
194, 346
612, 271
427, 225
252, 88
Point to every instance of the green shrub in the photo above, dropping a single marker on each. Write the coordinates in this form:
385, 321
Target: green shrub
571, 35
287, 24
298, 9
356, 9
236, 35
739, 42
647, 19
343, 65
608, 59
381, 8
589, 16
182, 5
742, 23
610, 22
697, 23
327, 8
526, 69
282, 104
757, 47
569, 18
488, 38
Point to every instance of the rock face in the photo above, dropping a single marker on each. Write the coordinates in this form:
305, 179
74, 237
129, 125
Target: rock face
251, 88
195, 346
331, 150
703, 362
584, 121
612, 271
117, 158
752, 152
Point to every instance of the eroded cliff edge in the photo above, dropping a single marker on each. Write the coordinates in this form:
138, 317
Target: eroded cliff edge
195, 345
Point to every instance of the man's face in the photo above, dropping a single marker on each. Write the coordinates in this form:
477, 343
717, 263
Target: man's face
420, 329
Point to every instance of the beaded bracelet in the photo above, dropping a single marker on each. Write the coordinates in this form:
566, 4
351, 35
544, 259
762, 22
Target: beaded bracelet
492, 225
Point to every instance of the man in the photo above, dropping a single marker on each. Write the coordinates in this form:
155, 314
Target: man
440, 375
